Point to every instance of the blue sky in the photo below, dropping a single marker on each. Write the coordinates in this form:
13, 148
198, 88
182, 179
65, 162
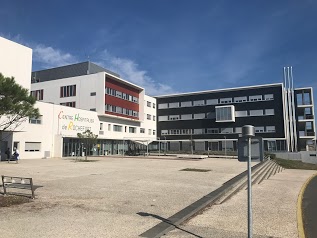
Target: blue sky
172, 46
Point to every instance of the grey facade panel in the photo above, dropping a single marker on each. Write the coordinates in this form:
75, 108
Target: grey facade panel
68, 71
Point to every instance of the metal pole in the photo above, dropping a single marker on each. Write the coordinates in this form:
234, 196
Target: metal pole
225, 146
165, 146
159, 146
249, 191
147, 148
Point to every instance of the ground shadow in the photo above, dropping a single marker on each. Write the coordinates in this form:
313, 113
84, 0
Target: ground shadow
145, 214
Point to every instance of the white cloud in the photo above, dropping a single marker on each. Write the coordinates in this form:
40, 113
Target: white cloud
49, 57
129, 70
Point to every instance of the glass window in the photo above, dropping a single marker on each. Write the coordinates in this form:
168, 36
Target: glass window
200, 116
142, 130
186, 117
225, 100
93, 94
255, 98
153, 118
101, 126
173, 117
199, 103
241, 113
259, 129
186, 104
162, 106
148, 104
117, 128
173, 105
212, 101
238, 129
164, 132
153, 105
154, 132
198, 131
150, 131
268, 97
109, 127
269, 111
212, 130
270, 128
35, 120
225, 114
148, 116
240, 99
163, 118
132, 130
256, 112
226, 130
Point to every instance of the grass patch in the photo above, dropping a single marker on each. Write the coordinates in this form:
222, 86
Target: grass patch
294, 164
7, 201
195, 170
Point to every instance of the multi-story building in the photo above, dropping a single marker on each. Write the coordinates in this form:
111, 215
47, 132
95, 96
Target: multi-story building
125, 113
213, 120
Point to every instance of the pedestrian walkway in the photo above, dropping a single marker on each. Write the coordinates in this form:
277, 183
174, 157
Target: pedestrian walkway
309, 208
274, 211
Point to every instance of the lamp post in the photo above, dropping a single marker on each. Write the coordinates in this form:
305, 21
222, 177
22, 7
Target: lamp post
159, 146
225, 146
248, 132
165, 146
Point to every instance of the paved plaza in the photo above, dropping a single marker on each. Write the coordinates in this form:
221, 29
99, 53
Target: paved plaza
124, 197
108, 198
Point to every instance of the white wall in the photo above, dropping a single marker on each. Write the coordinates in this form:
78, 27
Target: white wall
16, 61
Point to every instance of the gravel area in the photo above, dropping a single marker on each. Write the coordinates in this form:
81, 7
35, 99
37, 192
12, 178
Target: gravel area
103, 198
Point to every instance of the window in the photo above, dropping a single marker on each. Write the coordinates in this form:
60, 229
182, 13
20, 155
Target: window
240, 99
225, 113
101, 126
173, 117
153, 118
148, 104
212, 102
93, 94
163, 106
241, 113
109, 127
269, 111
212, 130
32, 146
199, 103
256, 112
255, 98
117, 128
226, 130
135, 99
153, 105
68, 104
198, 131
154, 132
238, 130
225, 100
186, 104
68, 91
35, 120
186, 117
163, 118
38, 94
259, 129
200, 116
173, 104
142, 130
92, 109
268, 97
150, 132
270, 128
132, 130
164, 132
148, 116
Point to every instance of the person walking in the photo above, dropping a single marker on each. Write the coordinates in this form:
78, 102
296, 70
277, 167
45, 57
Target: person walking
8, 153
16, 155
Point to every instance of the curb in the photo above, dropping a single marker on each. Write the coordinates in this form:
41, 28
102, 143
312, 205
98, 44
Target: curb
300, 225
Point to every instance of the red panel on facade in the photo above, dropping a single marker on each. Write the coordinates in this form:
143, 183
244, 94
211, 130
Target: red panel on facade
112, 100
111, 83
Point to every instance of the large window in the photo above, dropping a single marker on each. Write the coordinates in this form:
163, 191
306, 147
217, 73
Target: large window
142, 130
32, 146
132, 130
35, 120
173, 104
162, 106
117, 128
38, 94
199, 103
256, 112
68, 91
68, 104
120, 110
163, 118
225, 114
200, 116
212, 101
186, 104
269, 111
148, 104
119, 94
240, 99
186, 117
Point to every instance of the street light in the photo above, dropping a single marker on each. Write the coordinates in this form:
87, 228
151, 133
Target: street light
225, 146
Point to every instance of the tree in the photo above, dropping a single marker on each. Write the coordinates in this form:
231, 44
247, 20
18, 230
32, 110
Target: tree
88, 139
16, 105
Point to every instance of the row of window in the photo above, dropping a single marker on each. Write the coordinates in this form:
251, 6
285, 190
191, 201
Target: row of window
119, 128
124, 96
68, 104
148, 116
254, 98
238, 130
148, 103
68, 91
212, 115
38, 94
120, 110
